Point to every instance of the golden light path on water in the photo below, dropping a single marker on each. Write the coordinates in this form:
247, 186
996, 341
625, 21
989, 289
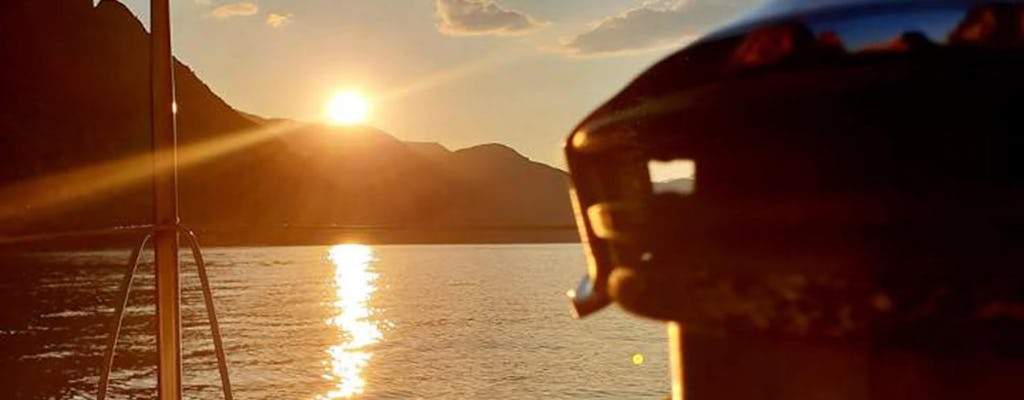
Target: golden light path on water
354, 284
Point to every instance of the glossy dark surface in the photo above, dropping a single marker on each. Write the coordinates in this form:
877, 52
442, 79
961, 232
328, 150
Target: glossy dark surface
858, 176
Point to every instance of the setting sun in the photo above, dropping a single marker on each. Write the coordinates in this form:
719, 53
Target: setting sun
347, 108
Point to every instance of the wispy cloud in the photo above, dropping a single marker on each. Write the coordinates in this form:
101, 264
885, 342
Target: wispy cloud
276, 20
652, 25
482, 17
240, 9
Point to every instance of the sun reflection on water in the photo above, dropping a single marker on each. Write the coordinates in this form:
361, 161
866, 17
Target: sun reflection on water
354, 283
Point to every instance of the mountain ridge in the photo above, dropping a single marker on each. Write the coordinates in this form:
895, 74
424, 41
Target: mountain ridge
76, 95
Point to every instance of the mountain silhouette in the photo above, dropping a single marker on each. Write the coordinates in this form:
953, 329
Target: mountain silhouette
74, 93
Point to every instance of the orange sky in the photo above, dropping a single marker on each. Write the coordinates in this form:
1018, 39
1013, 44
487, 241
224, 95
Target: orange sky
458, 72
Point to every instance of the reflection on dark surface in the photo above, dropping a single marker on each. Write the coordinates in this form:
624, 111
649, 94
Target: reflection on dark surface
994, 25
857, 225
814, 153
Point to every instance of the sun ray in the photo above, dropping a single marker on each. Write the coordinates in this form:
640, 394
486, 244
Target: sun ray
21, 201
449, 75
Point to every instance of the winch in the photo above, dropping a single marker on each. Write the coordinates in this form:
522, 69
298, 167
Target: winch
850, 223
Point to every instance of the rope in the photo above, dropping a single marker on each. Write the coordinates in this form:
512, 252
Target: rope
126, 288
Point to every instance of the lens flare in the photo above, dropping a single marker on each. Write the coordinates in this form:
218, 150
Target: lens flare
20, 202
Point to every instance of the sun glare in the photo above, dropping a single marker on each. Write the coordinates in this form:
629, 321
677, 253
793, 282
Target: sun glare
347, 108
355, 283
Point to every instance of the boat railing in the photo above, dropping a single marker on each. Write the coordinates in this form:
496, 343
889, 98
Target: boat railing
125, 290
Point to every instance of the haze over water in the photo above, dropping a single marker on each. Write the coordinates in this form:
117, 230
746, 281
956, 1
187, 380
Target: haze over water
349, 321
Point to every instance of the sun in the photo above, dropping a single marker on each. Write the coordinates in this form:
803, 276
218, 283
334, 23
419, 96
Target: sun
347, 108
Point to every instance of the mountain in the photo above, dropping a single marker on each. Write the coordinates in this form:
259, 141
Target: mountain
74, 137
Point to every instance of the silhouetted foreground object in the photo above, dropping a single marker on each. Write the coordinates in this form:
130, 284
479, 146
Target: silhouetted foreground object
857, 225
74, 89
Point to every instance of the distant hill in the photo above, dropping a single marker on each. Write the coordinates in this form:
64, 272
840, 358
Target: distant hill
74, 93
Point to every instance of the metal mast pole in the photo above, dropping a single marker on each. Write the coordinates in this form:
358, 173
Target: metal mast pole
165, 197
676, 349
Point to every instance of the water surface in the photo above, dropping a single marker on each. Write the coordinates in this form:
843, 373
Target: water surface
350, 321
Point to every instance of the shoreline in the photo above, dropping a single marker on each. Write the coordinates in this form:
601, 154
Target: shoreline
211, 237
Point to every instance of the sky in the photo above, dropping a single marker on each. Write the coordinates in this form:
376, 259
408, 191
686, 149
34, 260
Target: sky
456, 72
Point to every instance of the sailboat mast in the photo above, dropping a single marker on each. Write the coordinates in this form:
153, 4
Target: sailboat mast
165, 203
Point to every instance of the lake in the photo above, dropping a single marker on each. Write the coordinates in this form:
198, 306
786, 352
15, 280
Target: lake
337, 322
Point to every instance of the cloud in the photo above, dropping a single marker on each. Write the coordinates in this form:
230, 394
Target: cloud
481, 17
240, 9
652, 25
278, 20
